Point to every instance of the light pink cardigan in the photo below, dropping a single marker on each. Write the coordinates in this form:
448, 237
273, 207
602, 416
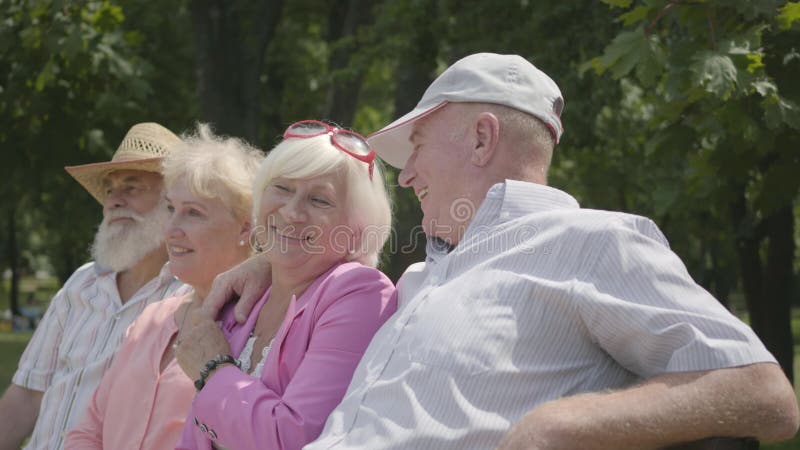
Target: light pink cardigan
308, 368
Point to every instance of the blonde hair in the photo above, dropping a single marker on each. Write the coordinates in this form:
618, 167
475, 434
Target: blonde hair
215, 167
369, 210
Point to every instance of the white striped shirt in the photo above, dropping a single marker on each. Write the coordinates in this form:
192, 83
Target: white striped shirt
540, 300
74, 344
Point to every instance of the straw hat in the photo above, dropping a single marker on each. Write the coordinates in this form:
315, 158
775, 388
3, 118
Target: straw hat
143, 148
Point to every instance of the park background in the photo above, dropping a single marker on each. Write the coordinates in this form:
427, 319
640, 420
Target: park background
686, 111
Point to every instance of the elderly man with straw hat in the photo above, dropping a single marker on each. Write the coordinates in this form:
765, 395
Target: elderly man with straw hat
87, 318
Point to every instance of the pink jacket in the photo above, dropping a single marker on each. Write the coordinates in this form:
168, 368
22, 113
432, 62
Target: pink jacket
308, 367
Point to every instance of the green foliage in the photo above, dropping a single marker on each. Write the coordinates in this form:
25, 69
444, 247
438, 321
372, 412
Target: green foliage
789, 14
722, 124
618, 3
74, 76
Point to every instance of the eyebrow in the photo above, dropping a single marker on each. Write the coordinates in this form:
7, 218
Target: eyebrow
128, 179
190, 202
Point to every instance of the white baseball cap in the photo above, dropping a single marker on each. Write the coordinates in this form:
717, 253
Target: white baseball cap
508, 80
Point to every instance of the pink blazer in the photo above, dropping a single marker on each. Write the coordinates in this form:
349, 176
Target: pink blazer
308, 367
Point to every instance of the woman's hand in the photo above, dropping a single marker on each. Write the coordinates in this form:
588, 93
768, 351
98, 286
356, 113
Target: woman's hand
246, 281
199, 340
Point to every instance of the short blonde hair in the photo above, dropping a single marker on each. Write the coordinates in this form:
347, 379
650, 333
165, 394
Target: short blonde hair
215, 167
369, 210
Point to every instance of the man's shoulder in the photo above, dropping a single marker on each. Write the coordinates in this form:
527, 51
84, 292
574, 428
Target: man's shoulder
598, 222
85, 273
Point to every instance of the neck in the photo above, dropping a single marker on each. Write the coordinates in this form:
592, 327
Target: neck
131, 280
200, 293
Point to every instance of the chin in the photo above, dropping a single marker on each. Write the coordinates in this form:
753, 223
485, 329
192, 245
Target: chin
181, 272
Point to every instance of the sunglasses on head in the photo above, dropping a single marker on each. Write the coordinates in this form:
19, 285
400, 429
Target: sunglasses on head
347, 141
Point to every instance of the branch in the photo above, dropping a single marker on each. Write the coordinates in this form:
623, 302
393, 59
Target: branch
651, 26
711, 21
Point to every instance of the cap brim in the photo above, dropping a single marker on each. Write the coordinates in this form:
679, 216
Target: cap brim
90, 176
391, 142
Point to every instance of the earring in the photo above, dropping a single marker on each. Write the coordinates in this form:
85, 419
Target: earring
241, 243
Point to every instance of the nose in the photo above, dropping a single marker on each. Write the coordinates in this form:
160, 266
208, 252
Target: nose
113, 200
293, 210
173, 229
408, 173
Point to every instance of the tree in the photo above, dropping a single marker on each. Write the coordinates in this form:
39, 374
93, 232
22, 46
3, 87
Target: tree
231, 41
720, 80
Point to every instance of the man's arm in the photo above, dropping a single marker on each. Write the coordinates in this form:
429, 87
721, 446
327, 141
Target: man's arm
19, 408
755, 400
248, 281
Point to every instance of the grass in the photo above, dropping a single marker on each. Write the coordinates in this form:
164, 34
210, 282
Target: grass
11, 348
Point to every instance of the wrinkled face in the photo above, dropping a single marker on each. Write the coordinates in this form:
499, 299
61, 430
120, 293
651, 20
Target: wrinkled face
136, 191
203, 237
437, 171
133, 219
304, 223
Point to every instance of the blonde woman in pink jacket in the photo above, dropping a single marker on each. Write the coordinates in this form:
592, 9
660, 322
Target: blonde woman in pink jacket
322, 215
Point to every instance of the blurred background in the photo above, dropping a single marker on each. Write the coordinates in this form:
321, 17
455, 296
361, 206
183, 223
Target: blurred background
686, 111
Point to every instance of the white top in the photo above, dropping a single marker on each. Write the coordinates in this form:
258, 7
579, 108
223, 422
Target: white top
247, 353
541, 299
75, 342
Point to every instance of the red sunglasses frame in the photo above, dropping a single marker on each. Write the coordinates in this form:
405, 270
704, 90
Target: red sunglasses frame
333, 131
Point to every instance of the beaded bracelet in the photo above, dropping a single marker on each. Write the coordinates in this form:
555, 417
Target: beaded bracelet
212, 365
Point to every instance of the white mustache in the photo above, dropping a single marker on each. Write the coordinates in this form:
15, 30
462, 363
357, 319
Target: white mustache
123, 213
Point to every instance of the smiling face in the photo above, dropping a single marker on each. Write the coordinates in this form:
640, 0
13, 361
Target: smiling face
439, 172
304, 220
203, 237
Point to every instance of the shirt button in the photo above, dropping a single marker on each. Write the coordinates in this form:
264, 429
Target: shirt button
203, 428
212, 433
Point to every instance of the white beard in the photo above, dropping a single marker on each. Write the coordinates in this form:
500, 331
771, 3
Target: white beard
120, 246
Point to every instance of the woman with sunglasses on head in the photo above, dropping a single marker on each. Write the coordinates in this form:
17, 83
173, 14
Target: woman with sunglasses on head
321, 215
142, 400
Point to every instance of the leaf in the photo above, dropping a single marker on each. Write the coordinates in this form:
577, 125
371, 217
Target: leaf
46, 76
764, 87
624, 52
755, 62
715, 73
635, 15
789, 13
594, 64
779, 110
651, 64
618, 3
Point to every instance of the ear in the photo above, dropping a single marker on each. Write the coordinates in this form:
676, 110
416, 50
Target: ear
244, 232
487, 135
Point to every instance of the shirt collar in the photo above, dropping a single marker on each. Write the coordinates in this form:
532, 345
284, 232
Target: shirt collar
164, 275
507, 201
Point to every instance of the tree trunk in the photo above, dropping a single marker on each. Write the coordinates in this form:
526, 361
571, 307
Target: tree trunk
768, 285
416, 69
776, 330
345, 76
13, 260
231, 40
